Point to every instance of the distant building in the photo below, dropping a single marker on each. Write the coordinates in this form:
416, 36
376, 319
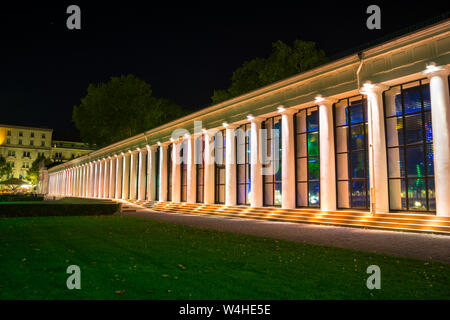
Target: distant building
22, 145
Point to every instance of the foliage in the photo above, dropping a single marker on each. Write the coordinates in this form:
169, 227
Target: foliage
121, 108
5, 168
284, 62
33, 172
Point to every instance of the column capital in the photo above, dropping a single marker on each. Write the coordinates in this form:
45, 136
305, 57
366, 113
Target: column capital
433, 70
321, 100
372, 88
231, 126
254, 119
286, 111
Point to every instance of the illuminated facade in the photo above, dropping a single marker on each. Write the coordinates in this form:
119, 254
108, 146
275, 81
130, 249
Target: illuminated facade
368, 134
20, 146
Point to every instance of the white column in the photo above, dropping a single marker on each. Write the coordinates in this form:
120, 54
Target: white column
440, 119
191, 172
230, 166
96, 174
256, 179
327, 154
209, 169
133, 174
106, 178
141, 179
126, 175
163, 172
176, 172
151, 173
112, 177
379, 197
101, 173
287, 159
90, 182
394, 185
119, 172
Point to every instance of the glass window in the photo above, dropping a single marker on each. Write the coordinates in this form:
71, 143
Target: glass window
243, 164
271, 160
200, 167
219, 166
352, 172
410, 147
307, 157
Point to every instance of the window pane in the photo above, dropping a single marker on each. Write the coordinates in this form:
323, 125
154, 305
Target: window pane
342, 166
341, 113
358, 194
416, 194
393, 102
314, 191
302, 198
396, 162
428, 127
356, 113
430, 160
431, 194
343, 194
240, 173
413, 126
394, 131
341, 139
301, 169
277, 194
426, 96
415, 161
397, 194
268, 194
301, 145
412, 99
301, 121
357, 165
357, 137
313, 119
241, 194
313, 168
313, 144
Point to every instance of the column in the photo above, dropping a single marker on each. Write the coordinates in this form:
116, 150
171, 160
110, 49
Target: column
191, 173
101, 176
112, 177
151, 173
256, 179
119, 172
288, 195
176, 172
163, 172
230, 166
91, 180
133, 174
209, 168
327, 154
106, 178
379, 198
142, 174
440, 119
96, 174
126, 175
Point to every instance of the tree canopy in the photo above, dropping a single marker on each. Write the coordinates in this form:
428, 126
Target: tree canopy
120, 108
33, 171
284, 62
5, 168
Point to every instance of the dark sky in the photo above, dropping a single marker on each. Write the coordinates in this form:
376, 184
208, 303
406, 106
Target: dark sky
183, 52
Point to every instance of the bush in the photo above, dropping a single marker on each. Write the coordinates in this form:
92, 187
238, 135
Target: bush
44, 209
15, 197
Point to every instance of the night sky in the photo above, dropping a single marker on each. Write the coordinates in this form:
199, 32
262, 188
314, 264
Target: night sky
183, 52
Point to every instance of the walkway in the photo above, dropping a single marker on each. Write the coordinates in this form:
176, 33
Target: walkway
401, 244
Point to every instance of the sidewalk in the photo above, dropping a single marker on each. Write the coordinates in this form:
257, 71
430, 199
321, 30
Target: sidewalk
401, 244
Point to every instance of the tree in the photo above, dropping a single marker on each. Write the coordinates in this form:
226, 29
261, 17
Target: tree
33, 172
120, 108
284, 62
5, 168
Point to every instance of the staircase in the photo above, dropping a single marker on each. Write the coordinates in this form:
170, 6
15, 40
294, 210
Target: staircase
409, 222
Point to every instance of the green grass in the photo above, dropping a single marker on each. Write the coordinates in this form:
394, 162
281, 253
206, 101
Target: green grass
131, 258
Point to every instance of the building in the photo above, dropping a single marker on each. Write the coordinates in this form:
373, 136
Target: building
369, 132
22, 145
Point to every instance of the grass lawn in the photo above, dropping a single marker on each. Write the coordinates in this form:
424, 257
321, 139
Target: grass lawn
131, 258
